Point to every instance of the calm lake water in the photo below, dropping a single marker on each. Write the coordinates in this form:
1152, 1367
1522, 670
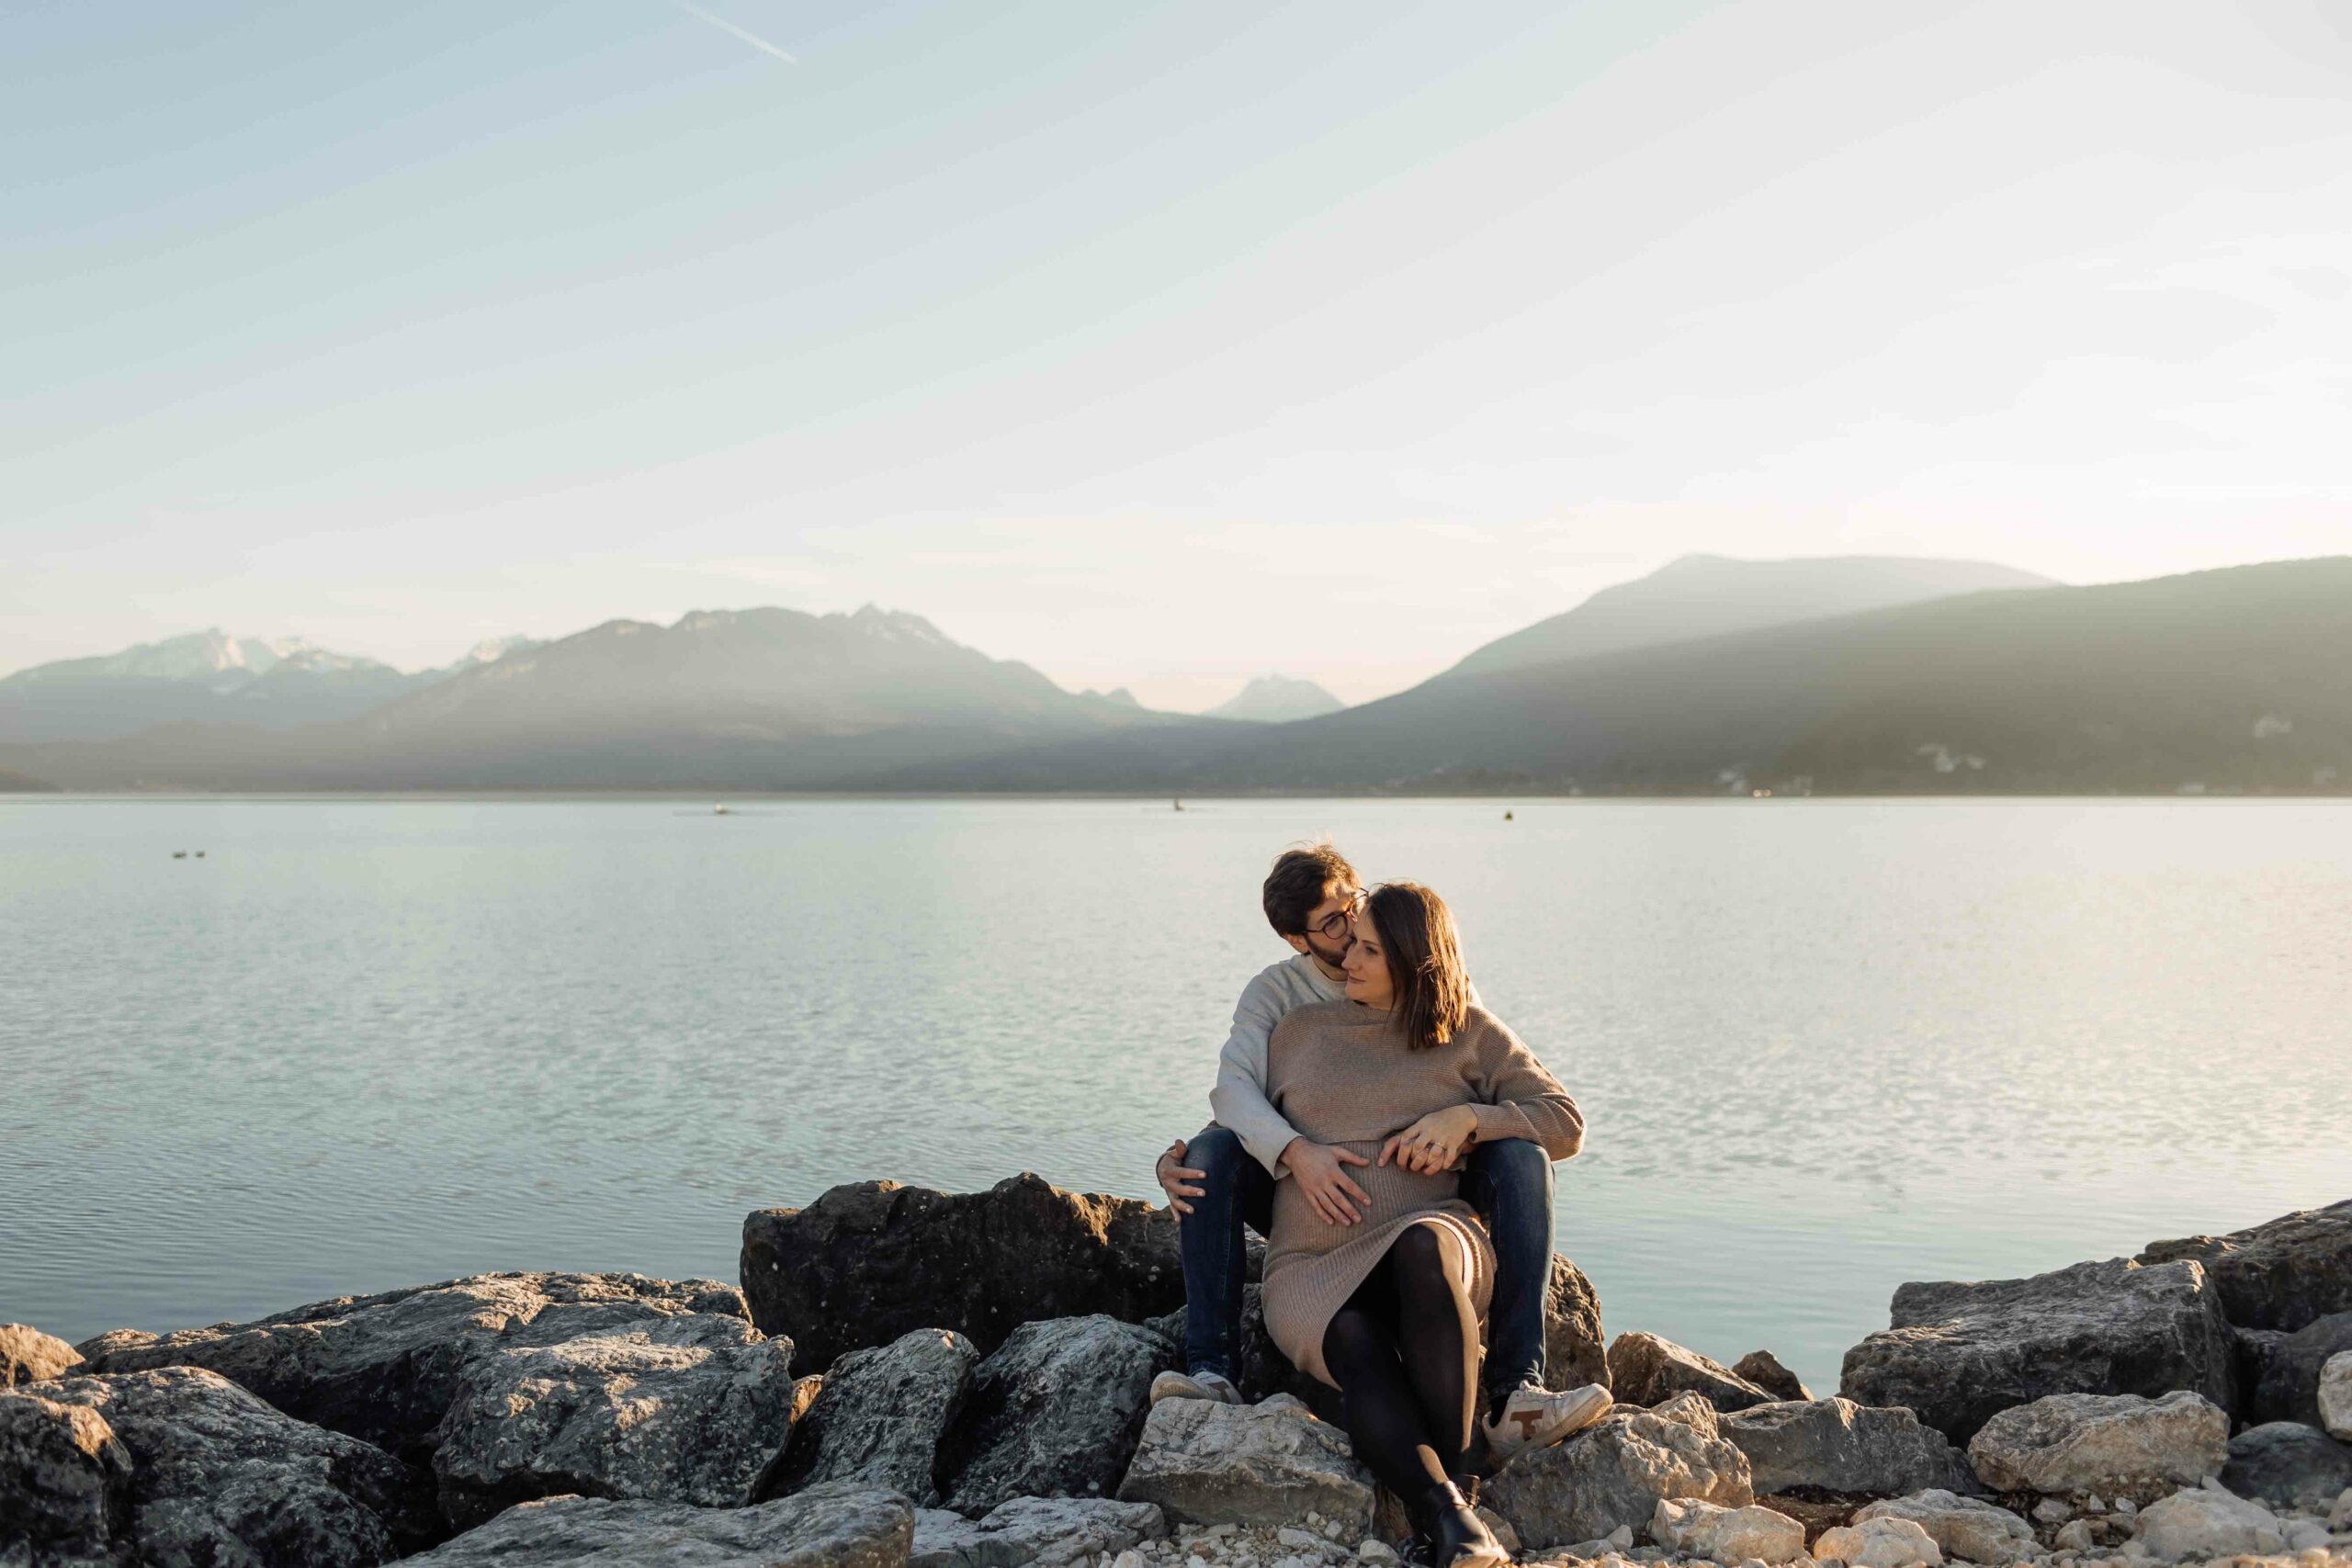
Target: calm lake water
1825, 1047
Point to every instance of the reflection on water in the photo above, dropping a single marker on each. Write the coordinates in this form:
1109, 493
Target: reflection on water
1823, 1046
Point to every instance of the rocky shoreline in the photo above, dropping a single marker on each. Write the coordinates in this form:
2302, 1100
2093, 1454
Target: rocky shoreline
910, 1378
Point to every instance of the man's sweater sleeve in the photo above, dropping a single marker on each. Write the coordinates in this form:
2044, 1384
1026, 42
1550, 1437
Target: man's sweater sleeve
1240, 1098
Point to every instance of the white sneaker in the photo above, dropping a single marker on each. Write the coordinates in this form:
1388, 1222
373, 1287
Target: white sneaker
1537, 1417
1172, 1384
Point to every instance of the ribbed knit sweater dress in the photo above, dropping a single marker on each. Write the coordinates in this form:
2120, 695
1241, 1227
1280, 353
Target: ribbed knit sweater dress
1343, 1074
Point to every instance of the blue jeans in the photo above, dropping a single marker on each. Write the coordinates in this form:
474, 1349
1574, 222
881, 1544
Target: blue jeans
1508, 1181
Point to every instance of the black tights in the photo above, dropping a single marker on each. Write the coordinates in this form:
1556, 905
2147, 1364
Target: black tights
1403, 1351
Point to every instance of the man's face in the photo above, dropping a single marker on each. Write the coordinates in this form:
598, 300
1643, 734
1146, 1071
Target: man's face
1337, 911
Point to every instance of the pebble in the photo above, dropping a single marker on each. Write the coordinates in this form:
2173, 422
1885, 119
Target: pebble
1375, 1551
2053, 1511
2340, 1516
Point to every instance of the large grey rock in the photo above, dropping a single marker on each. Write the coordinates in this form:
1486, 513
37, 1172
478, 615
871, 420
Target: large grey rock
1269, 1463
873, 1260
2278, 1372
1054, 1413
1692, 1529
1647, 1370
1764, 1370
27, 1355
216, 1476
1957, 1351
2206, 1522
840, 1525
690, 1409
2105, 1445
1961, 1526
2280, 1275
1614, 1475
1840, 1445
64, 1481
384, 1367
1052, 1532
1575, 1349
879, 1417
2286, 1463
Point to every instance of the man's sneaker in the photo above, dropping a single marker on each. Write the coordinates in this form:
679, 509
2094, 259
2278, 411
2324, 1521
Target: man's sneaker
1174, 1385
1536, 1419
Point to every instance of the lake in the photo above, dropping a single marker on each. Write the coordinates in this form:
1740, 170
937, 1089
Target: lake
1823, 1046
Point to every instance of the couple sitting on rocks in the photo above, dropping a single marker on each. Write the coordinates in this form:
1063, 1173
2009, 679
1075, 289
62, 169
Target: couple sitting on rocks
1369, 1050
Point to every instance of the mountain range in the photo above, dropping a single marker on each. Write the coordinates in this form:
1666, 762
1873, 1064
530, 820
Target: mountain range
1709, 676
209, 677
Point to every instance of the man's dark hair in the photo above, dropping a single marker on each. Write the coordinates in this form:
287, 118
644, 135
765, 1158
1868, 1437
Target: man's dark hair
1298, 882
1416, 933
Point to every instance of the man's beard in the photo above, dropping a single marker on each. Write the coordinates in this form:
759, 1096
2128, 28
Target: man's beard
1330, 957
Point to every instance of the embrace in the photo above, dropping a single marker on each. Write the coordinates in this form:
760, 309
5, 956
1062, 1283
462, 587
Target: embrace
1393, 1142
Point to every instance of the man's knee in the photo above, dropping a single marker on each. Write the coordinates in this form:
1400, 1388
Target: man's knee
1505, 1169
1217, 1154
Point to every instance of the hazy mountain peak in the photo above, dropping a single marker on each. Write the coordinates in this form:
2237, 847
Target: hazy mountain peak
1277, 699
490, 649
1698, 596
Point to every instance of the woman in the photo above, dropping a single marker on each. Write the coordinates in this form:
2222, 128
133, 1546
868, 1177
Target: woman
1387, 1311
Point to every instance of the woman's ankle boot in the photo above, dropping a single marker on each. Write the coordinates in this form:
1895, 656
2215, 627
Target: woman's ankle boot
1458, 1538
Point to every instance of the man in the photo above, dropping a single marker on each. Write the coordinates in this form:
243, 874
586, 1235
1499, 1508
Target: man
1225, 1177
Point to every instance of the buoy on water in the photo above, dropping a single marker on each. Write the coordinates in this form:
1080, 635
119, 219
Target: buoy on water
721, 810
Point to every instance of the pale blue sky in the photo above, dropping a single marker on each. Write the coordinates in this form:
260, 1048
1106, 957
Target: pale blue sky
1156, 344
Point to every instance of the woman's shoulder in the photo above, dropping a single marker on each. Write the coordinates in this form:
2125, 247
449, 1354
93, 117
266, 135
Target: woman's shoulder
1483, 1029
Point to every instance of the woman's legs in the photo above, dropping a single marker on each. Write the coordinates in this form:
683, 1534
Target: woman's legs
1404, 1353
1437, 1333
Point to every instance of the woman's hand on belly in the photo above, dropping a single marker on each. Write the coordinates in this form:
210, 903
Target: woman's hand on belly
1435, 1142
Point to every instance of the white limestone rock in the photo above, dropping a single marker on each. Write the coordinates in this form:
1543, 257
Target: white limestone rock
1263, 1464
2335, 1395
2068, 1444
1963, 1527
1613, 1475
2206, 1522
1696, 1529
1883, 1542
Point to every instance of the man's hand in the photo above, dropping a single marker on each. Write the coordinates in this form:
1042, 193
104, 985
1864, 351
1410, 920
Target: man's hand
1175, 1178
1435, 1142
1316, 1168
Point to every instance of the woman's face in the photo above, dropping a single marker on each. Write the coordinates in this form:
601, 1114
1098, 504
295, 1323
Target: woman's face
1367, 966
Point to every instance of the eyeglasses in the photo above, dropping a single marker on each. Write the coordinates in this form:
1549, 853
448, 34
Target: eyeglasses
1338, 923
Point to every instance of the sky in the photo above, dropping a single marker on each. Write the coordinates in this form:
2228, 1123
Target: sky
1155, 344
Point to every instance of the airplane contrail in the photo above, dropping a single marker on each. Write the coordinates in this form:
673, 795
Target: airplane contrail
723, 25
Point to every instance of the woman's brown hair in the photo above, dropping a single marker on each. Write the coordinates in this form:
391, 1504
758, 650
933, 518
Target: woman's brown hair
1424, 958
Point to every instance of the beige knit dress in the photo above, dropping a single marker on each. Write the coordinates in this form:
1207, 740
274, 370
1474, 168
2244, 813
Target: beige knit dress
1343, 1074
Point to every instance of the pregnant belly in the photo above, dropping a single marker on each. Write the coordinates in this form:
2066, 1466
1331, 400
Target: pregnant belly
1395, 1193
